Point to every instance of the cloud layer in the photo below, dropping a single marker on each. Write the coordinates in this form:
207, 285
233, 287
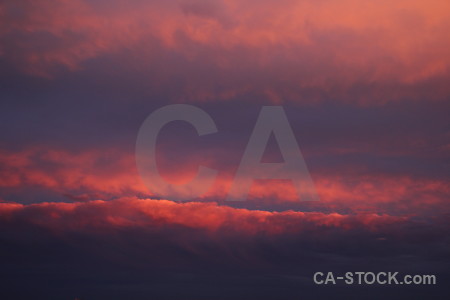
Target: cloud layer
160, 244
108, 174
365, 88
300, 51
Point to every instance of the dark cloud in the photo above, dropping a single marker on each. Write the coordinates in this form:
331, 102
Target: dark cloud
138, 247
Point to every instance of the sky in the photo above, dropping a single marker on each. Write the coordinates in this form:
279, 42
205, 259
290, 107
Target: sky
365, 88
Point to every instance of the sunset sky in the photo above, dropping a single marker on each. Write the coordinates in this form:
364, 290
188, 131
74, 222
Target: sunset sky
365, 86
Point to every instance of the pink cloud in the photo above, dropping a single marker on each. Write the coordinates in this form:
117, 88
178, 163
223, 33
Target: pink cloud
132, 212
107, 174
307, 49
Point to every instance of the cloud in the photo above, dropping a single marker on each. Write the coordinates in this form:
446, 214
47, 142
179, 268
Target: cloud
300, 51
132, 212
157, 241
109, 174
365, 88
